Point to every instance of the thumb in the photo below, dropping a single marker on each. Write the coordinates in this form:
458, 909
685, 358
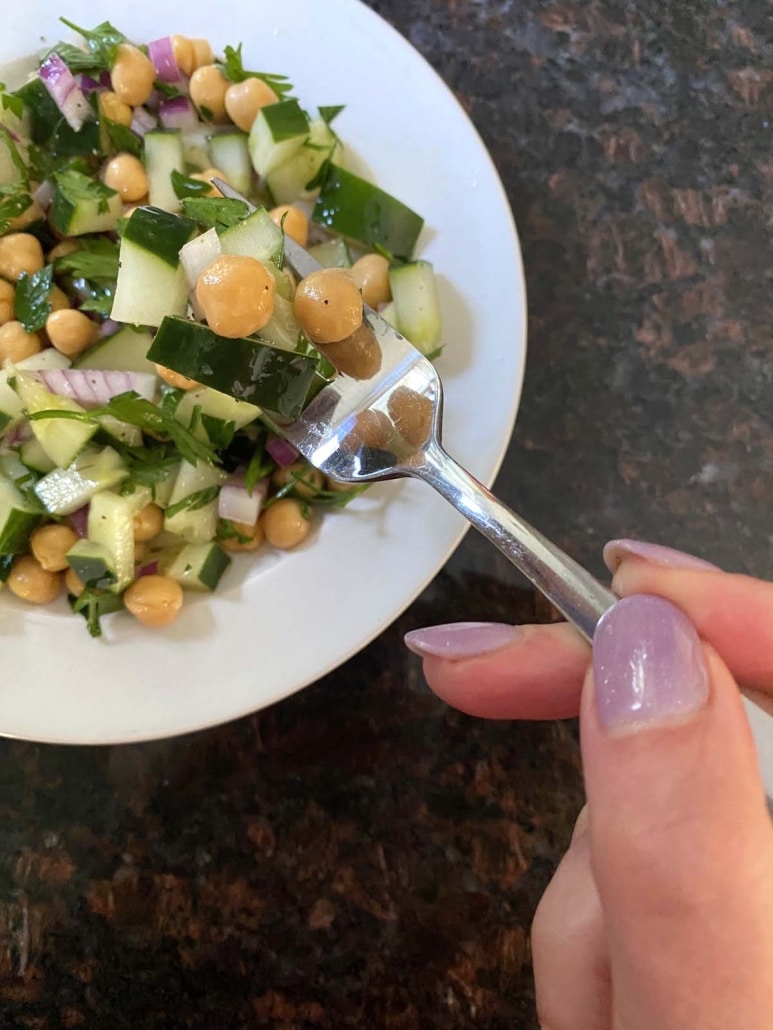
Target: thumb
681, 842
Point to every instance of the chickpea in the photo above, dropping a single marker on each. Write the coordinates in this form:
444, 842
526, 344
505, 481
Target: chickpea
296, 224
58, 299
207, 88
126, 175
358, 356
148, 522
50, 544
16, 343
371, 429
328, 305
71, 331
73, 583
253, 535
202, 53
284, 524
172, 378
30, 581
305, 478
243, 100
207, 176
114, 109
132, 75
184, 54
371, 274
20, 252
236, 295
154, 600
7, 301
62, 249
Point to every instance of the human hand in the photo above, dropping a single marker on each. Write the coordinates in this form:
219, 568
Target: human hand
660, 916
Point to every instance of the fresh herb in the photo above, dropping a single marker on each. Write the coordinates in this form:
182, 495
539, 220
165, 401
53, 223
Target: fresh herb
215, 212
226, 530
100, 301
233, 68
120, 138
10, 102
96, 260
206, 113
14, 201
259, 467
167, 90
103, 42
321, 176
130, 407
32, 304
93, 604
78, 187
76, 58
329, 114
314, 495
185, 187
148, 466
57, 141
198, 499
220, 432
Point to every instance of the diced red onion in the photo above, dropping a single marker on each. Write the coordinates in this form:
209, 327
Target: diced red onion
79, 521
161, 53
89, 85
44, 194
108, 327
148, 570
65, 91
237, 503
282, 451
142, 121
178, 113
198, 253
90, 387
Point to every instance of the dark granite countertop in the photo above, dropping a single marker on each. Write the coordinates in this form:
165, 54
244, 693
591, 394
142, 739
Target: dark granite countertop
359, 855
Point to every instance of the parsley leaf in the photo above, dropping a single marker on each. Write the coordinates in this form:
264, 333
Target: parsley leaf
10, 102
76, 58
95, 260
103, 42
120, 138
328, 114
226, 530
130, 407
321, 176
168, 90
148, 465
184, 186
77, 187
220, 432
233, 69
198, 499
14, 201
32, 305
215, 212
94, 603
259, 467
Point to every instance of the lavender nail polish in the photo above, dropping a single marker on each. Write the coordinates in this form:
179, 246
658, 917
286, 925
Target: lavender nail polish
458, 640
616, 550
648, 664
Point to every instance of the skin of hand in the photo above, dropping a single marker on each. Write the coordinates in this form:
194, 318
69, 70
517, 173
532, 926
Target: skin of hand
661, 913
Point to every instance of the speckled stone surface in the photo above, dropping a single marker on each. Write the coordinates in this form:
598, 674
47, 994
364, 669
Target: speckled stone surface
359, 855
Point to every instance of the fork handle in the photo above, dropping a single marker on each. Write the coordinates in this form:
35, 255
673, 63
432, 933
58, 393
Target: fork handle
570, 587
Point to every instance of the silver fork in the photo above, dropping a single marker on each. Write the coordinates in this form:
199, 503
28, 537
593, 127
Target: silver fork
331, 434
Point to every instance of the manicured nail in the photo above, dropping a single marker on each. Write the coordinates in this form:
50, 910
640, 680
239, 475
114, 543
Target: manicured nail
648, 664
460, 639
616, 550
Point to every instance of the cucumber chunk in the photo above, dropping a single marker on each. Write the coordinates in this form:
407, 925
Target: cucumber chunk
277, 133
196, 524
244, 369
416, 304
11, 405
65, 490
163, 155
61, 439
111, 524
361, 211
78, 208
332, 254
124, 351
151, 281
255, 236
34, 457
197, 566
18, 519
289, 181
93, 564
231, 154
211, 404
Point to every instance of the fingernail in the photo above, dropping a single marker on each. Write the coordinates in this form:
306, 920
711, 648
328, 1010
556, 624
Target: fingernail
460, 639
648, 664
616, 550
